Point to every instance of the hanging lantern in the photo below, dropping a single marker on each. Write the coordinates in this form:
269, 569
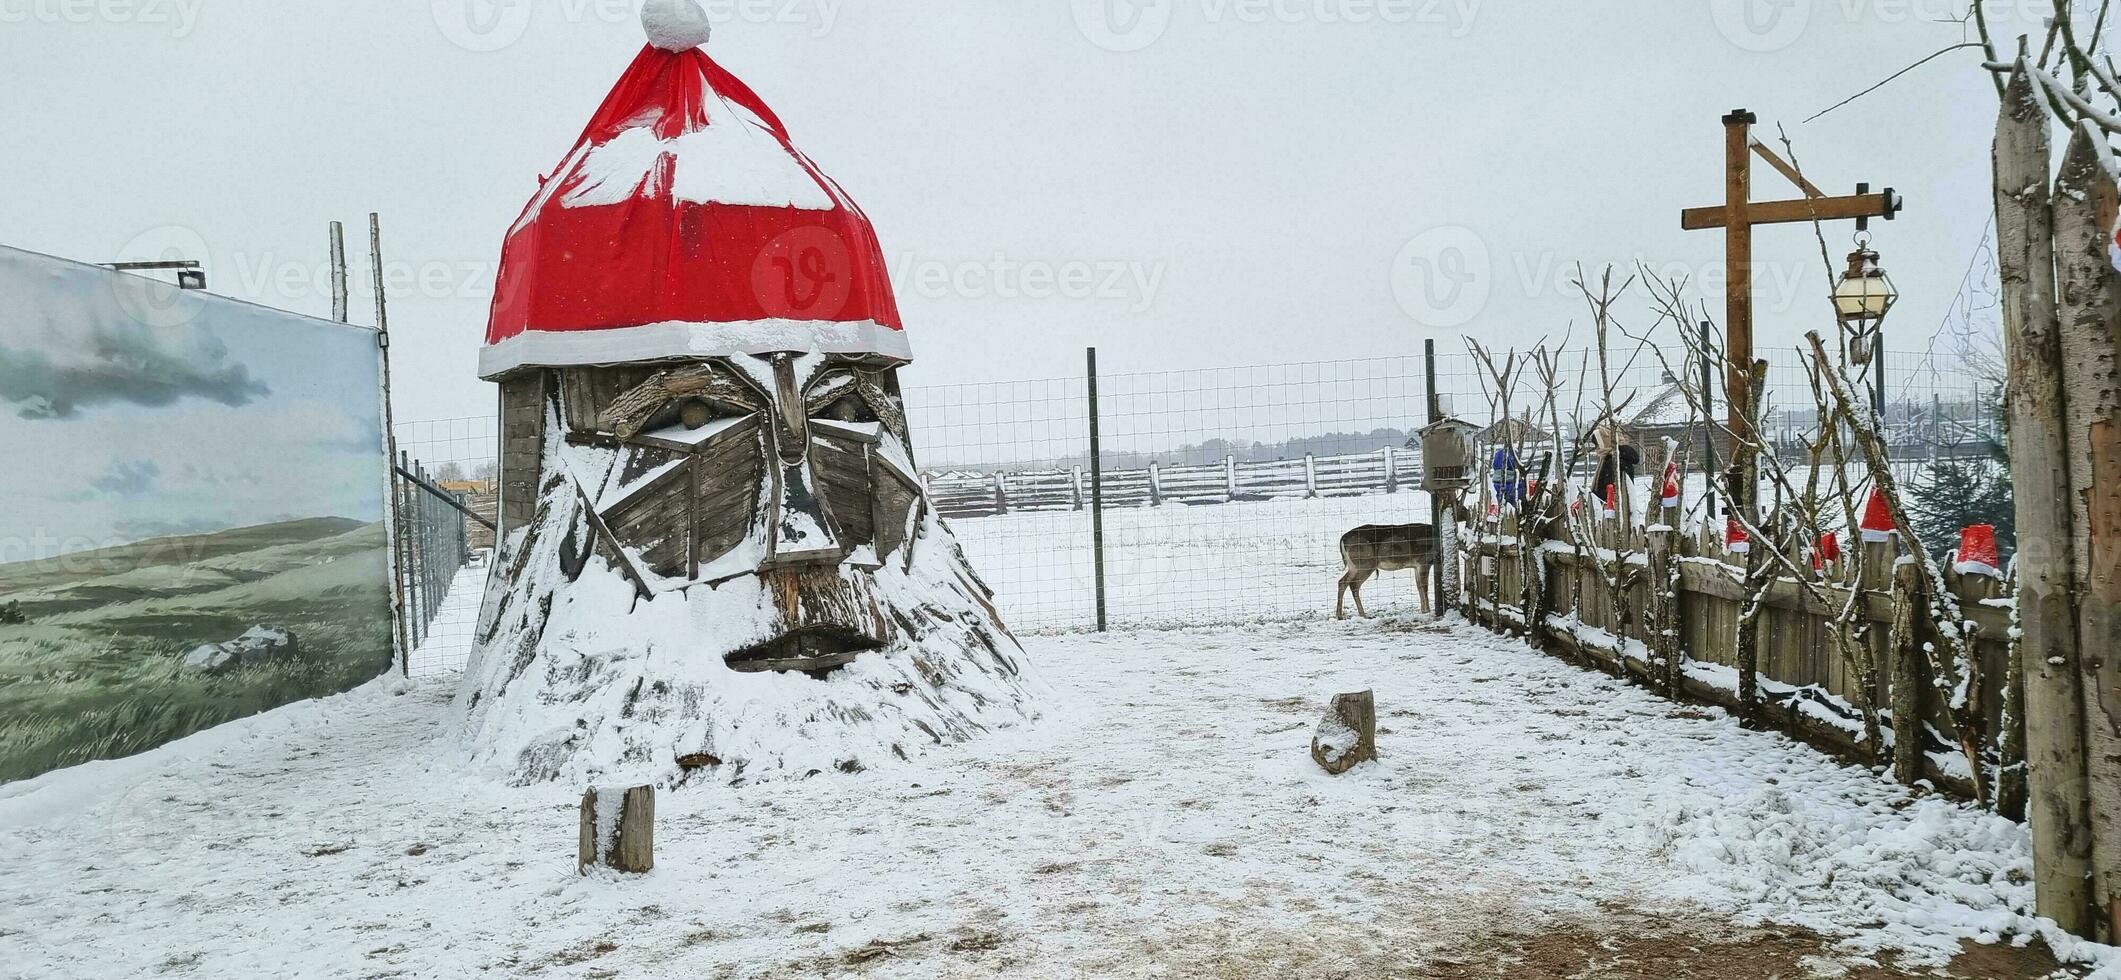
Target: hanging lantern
1862, 298
1865, 292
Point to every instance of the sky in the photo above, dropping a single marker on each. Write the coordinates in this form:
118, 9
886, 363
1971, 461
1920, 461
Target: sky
1180, 183
130, 410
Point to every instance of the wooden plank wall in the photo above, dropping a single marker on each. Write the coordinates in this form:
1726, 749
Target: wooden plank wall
1795, 645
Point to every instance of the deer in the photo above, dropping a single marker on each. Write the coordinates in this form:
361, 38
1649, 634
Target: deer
1384, 548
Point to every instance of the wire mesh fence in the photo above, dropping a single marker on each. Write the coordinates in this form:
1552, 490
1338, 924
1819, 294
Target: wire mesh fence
445, 477
1221, 494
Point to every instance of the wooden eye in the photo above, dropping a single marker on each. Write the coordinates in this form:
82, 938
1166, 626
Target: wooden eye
850, 408
695, 413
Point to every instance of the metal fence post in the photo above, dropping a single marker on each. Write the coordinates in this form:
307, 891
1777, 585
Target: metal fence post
1446, 536
1097, 494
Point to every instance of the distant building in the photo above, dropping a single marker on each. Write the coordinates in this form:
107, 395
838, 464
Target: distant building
1669, 414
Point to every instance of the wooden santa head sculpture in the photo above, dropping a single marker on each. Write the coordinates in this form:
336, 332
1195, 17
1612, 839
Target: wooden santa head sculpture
717, 560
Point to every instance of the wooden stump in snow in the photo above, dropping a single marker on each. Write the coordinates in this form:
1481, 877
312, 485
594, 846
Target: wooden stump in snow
618, 829
1347, 737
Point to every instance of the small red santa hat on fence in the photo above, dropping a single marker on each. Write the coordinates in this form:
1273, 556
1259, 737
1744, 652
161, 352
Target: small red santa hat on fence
1735, 540
1977, 552
1609, 508
1877, 519
1670, 496
1829, 549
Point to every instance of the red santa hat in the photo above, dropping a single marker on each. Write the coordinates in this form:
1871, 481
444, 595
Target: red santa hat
1877, 519
1670, 497
1610, 506
1977, 552
685, 224
1829, 547
1735, 540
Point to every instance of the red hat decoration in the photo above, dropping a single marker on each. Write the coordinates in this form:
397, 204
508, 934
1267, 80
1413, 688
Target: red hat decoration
1670, 496
1829, 547
1877, 519
1977, 552
1610, 506
685, 224
1735, 540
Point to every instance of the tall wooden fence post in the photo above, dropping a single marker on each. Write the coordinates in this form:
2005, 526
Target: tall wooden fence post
1663, 618
2088, 309
1443, 513
1909, 666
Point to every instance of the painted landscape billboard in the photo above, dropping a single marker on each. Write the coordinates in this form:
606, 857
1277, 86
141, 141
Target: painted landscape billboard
194, 527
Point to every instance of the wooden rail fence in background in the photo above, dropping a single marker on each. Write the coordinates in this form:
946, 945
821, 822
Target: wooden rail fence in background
960, 495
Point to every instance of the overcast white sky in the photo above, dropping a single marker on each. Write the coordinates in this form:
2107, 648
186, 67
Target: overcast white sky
1252, 183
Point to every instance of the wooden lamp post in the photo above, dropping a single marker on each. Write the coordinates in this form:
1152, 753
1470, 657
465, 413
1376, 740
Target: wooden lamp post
1737, 216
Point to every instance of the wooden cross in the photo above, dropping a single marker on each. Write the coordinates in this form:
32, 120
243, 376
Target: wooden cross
1737, 216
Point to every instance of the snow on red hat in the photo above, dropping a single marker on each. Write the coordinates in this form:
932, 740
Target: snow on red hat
1877, 518
1977, 552
1735, 540
1670, 496
685, 224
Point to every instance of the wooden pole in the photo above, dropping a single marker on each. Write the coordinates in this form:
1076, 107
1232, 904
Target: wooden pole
1908, 668
2088, 308
2058, 811
393, 521
1738, 287
339, 310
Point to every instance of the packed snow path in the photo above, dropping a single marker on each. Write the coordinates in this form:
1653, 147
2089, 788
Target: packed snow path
1165, 820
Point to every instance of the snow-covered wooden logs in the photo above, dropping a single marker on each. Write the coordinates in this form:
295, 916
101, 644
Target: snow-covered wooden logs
618, 830
1347, 736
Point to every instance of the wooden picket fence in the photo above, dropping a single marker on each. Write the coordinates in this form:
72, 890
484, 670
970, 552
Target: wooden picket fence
960, 495
1805, 687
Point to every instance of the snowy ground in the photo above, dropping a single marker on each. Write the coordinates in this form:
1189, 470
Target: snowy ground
448, 643
1165, 821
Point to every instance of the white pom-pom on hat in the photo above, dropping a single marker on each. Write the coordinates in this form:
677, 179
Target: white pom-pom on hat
675, 25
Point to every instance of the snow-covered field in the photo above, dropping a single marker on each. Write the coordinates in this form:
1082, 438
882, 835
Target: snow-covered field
1165, 820
1179, 566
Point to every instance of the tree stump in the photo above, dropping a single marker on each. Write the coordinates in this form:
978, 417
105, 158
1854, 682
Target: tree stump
1347, 737
618, 830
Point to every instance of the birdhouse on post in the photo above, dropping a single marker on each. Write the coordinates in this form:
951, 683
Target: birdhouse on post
1447, 455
